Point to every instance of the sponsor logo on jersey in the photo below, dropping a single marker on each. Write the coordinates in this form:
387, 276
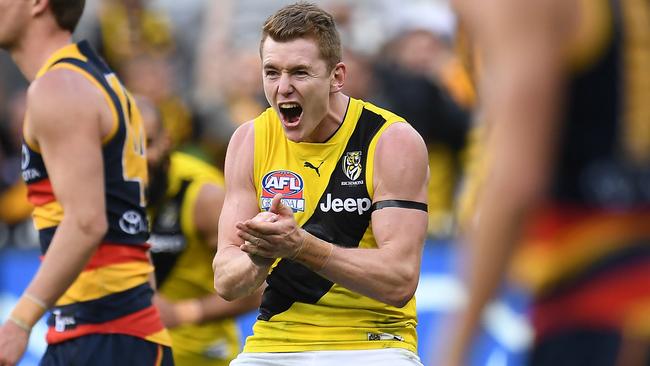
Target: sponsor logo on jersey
312, 166
63, 322
132, 223
287, 183
384, 337
24, 159
28, 174
352, 168
359, 205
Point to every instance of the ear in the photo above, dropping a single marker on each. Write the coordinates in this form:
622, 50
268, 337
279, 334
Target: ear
39, 6
337, 79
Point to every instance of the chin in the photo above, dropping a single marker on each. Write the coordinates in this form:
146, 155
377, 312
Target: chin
294, 135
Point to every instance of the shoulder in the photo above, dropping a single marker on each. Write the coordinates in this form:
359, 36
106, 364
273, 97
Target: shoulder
64, 96
401, 161
241, 149
401, 136
243, 136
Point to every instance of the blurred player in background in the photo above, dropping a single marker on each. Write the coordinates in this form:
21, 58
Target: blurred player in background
85, 166
185, 198
344, 183
564, 94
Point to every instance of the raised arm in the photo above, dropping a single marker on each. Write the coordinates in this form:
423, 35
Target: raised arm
236, 273
389, 273
65, 118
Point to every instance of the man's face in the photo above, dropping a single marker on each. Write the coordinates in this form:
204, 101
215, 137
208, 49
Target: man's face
297, 85
14, 15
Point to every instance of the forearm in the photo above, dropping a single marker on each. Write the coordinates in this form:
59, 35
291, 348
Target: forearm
70, 250
374, 273
214, 307
236, 275
491, 242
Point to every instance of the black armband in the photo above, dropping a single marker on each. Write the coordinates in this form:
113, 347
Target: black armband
399, 203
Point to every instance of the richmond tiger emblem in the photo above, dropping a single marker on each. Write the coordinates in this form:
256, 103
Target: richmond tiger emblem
352, 165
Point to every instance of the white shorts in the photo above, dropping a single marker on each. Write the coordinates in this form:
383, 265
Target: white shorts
375, 357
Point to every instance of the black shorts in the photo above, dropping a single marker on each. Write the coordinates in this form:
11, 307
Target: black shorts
107, 350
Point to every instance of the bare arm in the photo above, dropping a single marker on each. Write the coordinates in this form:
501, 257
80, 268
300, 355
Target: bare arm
235, 272
521, 89
69, 135
389, 273
211, 307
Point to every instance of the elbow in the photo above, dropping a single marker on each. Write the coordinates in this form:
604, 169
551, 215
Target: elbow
402, 293
223, 290
224, 293
399, 299
93, 226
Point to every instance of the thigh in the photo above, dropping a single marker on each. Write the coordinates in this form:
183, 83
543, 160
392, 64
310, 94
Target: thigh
107, 350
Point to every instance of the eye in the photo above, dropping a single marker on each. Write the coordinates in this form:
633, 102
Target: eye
271, 74
301, 73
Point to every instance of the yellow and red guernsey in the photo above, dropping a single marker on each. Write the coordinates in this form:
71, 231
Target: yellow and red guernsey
586, 252
112, 294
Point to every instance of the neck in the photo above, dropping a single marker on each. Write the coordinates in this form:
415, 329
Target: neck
36, 48
334, 117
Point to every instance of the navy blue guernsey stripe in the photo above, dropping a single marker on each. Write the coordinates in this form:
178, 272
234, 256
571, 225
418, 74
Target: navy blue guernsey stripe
293, 282
105, 309
400, 204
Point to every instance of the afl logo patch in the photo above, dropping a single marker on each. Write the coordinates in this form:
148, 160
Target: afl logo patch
287, 183
352, 165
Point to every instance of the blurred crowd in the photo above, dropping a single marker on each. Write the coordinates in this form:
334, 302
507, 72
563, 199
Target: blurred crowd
198, 60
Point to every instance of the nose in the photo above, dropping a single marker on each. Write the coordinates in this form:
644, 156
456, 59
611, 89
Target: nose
284, 85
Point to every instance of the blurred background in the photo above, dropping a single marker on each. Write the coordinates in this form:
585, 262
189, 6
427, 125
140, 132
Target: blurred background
198, 60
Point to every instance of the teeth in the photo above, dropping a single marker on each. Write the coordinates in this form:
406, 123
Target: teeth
289, 105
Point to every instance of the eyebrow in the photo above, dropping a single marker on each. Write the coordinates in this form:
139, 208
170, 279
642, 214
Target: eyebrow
291, 69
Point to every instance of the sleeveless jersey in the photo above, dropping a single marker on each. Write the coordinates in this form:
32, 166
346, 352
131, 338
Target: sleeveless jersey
588, 248
183, 263
329, 186
112, 294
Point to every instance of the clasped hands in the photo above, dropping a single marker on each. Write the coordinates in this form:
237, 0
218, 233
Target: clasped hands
270, 235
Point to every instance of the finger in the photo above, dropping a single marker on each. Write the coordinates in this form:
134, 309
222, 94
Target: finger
259, 251
247, 237
257, 228
277, 207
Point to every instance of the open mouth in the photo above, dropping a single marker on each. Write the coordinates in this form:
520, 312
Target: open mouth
291, 113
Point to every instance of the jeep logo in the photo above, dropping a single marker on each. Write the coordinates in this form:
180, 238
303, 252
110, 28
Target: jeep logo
360, 205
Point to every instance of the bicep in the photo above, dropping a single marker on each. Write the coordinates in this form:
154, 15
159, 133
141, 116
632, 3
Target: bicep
401, 168
240, 202
400, 176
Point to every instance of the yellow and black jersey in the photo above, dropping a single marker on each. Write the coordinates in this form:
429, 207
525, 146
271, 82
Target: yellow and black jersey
183, 262
329, 186
112, 294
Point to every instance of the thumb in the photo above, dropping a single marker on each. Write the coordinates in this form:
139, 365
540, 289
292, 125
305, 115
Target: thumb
279, 208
